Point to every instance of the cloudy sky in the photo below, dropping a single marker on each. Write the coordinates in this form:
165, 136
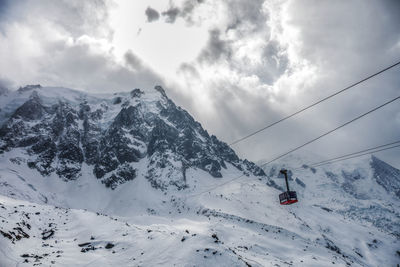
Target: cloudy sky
235, 65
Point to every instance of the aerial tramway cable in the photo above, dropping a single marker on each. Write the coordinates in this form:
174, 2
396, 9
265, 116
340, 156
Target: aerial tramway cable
369, 151
314, 104
355, 156
329, 161
317, 138
307, 143
331, 131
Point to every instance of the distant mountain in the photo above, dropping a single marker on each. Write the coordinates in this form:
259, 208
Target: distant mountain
386, 176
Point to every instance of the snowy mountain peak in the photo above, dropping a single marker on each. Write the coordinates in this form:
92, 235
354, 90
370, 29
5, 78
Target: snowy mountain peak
160, 90
115, 135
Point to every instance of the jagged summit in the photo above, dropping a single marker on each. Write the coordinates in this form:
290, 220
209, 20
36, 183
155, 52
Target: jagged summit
62, 129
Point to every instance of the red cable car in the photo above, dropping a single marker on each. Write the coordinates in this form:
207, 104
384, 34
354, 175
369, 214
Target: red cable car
288, 197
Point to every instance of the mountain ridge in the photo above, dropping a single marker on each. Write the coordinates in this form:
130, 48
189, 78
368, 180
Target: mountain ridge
65, 134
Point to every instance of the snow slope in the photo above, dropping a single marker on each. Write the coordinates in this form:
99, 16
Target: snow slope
248, 225
244, 226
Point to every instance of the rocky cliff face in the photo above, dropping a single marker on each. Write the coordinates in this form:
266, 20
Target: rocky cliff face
115, 135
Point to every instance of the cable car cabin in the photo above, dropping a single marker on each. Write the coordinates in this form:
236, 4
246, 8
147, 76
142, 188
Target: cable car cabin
288, 197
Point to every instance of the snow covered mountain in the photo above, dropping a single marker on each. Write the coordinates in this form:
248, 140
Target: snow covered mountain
128, 179
113, 134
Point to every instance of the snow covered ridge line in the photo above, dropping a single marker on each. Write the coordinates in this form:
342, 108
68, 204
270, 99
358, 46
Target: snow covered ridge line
60, 129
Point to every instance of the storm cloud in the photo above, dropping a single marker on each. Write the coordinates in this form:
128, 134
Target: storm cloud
152, 14
184, 10
171, 14
268, 59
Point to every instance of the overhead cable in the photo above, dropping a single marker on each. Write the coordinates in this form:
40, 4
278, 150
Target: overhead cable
307, 143
331, 131
354, 153
314, 104
351, 155
356, 156
325, 162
